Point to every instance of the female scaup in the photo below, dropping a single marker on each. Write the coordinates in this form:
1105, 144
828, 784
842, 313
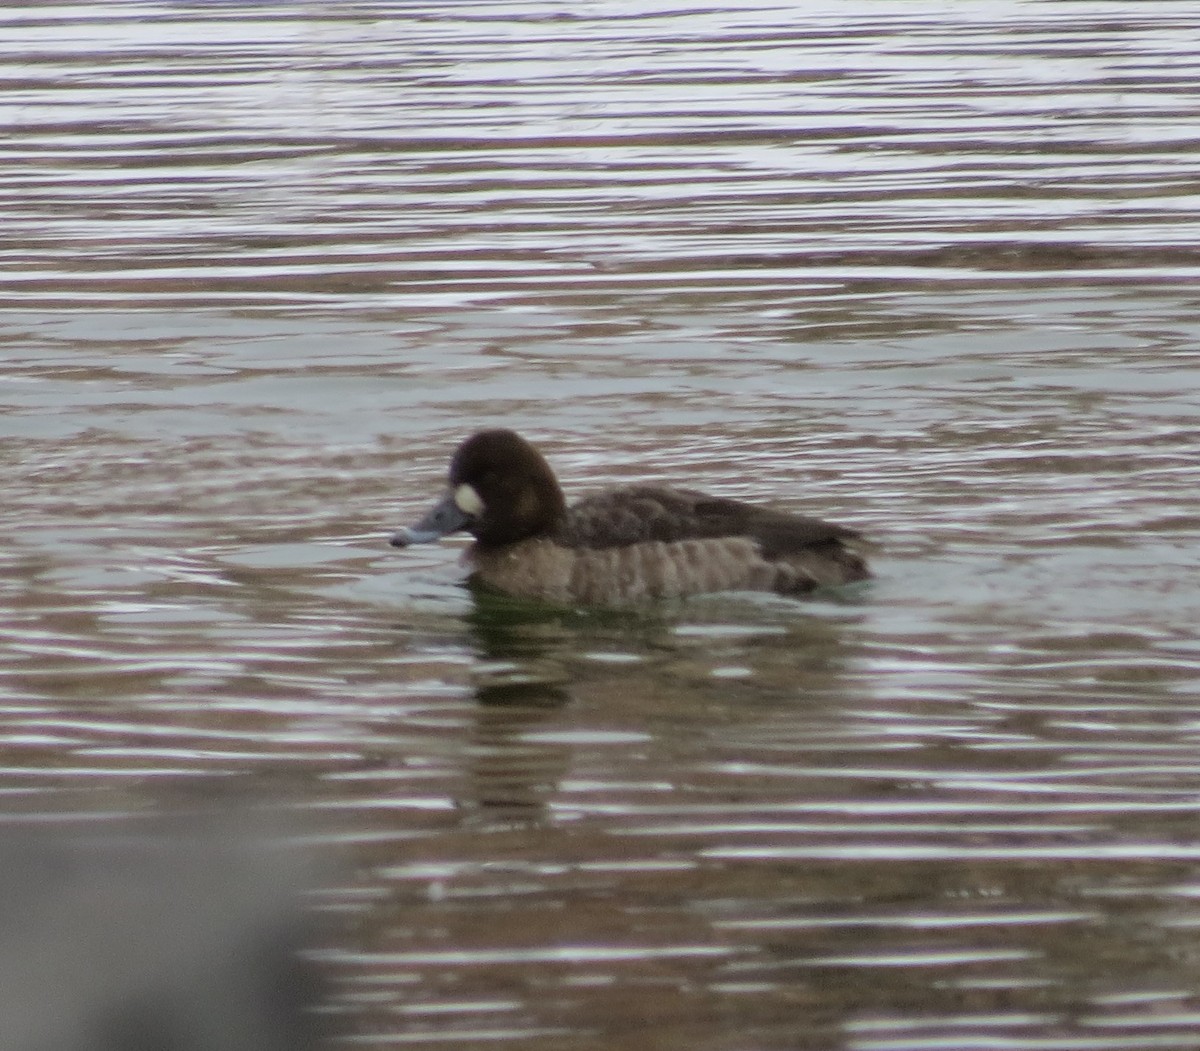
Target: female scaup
622, 545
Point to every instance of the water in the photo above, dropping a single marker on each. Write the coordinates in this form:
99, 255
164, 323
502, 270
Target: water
929, 270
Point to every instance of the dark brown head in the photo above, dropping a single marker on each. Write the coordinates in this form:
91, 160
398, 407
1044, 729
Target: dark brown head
501, 491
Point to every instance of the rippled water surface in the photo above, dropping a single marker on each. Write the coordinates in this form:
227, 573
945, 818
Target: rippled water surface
928, 269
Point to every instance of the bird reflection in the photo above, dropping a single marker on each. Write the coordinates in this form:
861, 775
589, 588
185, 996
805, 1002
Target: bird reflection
521, 680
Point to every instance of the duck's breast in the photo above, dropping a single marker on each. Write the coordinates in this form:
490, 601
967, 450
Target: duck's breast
537, 568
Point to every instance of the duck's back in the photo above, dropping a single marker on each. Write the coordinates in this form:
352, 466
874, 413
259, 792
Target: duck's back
641, 513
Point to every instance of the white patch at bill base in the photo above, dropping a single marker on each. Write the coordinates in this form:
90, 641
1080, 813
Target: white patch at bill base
467, 500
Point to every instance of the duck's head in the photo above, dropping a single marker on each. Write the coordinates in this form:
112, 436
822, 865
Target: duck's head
501, 491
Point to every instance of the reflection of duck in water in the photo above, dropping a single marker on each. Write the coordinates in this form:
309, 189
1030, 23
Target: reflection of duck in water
622, 545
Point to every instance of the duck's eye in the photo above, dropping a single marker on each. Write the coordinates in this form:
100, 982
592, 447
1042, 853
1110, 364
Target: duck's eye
468, 501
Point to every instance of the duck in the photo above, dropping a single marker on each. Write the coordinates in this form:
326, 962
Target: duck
622, 546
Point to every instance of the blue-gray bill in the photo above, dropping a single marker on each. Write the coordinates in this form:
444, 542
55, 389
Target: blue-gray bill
443, 518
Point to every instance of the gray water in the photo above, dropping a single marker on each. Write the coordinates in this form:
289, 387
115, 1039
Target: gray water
926, 269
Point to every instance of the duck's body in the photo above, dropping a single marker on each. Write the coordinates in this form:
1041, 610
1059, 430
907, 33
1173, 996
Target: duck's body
627, 545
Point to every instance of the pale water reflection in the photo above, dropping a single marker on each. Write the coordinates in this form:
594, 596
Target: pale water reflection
926, 269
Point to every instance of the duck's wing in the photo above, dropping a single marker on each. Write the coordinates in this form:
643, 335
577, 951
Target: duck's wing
637, 514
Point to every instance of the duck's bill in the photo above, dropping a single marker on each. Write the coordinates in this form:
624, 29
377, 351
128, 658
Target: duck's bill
443, 518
